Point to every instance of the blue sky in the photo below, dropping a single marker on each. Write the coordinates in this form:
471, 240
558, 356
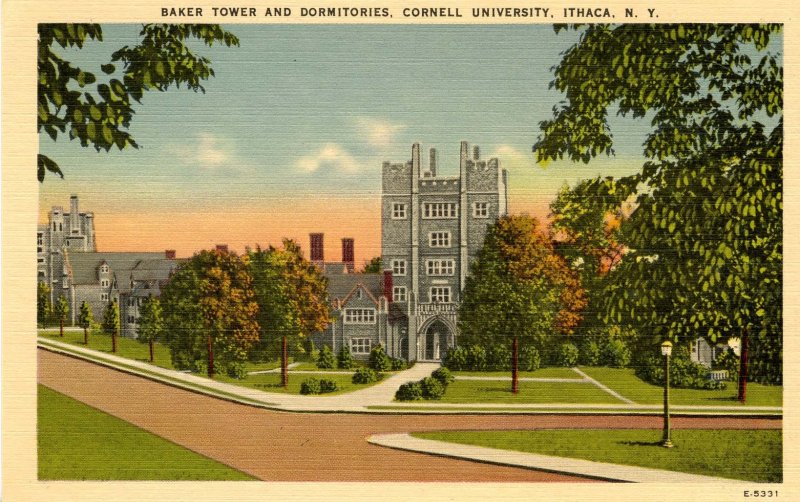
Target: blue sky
298, 120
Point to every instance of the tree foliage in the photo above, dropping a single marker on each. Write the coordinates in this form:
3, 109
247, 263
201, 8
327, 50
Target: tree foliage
519, 286
98, 113
211, 294
291, 292
704, 237
111, 321
61, 311
43, 306
373, 266
85, 316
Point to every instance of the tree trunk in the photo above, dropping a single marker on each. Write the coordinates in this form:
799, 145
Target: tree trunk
85, 336
210, 357
743, 367
114, 341
61, 327
151, 350
285, 364
515, 366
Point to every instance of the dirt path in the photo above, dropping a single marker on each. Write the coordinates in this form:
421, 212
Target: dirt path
284, 446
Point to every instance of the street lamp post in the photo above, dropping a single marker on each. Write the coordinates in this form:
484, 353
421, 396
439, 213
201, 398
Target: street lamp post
666, 351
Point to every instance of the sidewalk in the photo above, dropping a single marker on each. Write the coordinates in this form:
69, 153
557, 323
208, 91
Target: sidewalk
595, 470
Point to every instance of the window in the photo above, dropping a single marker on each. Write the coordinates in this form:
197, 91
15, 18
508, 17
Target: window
359, 316
104, 283
131, 320
359, 294
440, 294
104, 269
440, 267
439, 210
399, 293
360, 345
104, 297
39, 260
398, 211
439, 239
480, 210
398, 267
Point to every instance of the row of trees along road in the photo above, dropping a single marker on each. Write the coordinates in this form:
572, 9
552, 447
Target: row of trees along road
703, 232
221, 309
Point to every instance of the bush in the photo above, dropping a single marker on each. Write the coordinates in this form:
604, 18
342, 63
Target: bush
327, 385
365, 375
729, 361
310, 386
378, 360
398, 364
411, 391
498, 358
683, 373
589, 353
236, 369
325, 360
529, 359
615, 353
345, 358
455, 359
309, 348
476, 358
444, 376
567, 355
432, 388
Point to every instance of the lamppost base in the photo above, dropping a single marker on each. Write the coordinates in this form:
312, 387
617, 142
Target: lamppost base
667, 443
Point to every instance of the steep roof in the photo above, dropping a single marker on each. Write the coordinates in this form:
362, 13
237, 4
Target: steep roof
83, 266
341, 285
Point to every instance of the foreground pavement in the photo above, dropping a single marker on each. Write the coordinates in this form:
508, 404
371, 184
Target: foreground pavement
281, 446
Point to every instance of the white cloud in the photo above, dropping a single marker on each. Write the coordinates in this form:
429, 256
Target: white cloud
207, 151
379, 133
330, 156
512, 158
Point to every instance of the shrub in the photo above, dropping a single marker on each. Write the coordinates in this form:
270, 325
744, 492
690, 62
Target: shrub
236, 369
567, 355
456, 359
529, 359
345, 358
326, 385
729, 361
378, 360
310, 386
683, 373
309, 348
615, 353
431, 388
411, 391
325, 360
476, 358
589, 353
398, 364
365, 375
444, 376
498, 358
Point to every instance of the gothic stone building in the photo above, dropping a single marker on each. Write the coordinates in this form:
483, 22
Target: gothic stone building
432, 228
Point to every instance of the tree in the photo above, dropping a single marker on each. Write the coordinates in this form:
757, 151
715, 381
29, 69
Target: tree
373, 266
151, 322
210, 312
61, 310
519, 287
85, 320
292, 295
704, 237
43, 306
111, 323
101, 115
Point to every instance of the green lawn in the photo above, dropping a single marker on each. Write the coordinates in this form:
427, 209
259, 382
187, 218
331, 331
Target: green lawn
78, 442
546, 372
483, 391
627, 384
126, 347
271, 382
752, 455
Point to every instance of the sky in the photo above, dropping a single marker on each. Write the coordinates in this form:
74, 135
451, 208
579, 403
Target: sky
290, 135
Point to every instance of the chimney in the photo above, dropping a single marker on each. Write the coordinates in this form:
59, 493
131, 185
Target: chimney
476, 152
74, 215
222, 248
169, 254
348, 254
388, 285
317, 251
415, 162
433, 162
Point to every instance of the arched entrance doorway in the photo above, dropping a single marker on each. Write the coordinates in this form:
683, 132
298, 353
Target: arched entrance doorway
438, 340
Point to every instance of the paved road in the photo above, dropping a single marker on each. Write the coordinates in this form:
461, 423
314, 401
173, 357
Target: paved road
285, 446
